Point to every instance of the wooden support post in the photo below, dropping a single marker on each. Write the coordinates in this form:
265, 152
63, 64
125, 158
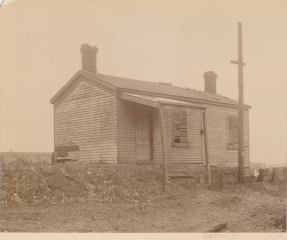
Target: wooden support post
163, 144
206, 148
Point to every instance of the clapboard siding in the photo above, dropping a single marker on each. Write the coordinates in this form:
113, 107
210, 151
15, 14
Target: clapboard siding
93, 116
217, 134
192, 154
103, 125
86, 115
126, 131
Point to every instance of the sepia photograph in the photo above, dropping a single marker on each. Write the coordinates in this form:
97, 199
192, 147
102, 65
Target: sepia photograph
143, 117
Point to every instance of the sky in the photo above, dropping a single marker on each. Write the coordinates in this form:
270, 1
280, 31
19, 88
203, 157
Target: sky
159, 41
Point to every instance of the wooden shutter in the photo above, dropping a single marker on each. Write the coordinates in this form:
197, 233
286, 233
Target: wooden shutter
179, 124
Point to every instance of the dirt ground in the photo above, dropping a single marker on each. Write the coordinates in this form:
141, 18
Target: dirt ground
256, 207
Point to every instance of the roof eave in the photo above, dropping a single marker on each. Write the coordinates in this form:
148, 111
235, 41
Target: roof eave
182, 104
109, 85
83, 73
53, 99
201, 92
179, 98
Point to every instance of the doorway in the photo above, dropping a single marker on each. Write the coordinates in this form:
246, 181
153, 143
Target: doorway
144, 135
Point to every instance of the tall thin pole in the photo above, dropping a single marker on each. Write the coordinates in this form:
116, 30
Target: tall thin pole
240, 108
165, 177
206, 148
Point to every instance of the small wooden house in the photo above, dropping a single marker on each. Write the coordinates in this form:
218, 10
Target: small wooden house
106, 119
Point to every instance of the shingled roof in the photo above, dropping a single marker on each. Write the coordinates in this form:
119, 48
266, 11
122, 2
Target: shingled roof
163, 88
167, 89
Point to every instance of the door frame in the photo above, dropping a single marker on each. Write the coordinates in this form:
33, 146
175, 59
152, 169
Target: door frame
149, 111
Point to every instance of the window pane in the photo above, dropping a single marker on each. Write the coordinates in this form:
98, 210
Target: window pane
177, 140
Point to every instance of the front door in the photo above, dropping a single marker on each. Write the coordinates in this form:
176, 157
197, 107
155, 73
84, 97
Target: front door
144, 120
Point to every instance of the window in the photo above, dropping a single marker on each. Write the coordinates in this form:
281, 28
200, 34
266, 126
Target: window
179, 129
232, 132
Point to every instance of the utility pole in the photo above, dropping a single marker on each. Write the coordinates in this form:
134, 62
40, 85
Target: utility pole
241, 178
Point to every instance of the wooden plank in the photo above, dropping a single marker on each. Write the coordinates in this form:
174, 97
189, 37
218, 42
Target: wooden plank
126, 130
163, 144
184, 107
139, 100
206, 148
87, 116
82, 98
194, 101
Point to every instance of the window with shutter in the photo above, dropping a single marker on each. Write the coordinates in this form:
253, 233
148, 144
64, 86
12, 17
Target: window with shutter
179, 129
232, 131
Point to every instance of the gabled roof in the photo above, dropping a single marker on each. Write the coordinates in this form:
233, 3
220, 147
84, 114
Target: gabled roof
162, 89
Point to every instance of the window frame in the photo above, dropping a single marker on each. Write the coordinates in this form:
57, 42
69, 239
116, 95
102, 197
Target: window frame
234, 144
180, 144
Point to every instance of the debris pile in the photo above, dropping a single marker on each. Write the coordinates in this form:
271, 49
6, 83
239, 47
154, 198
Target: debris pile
23, 181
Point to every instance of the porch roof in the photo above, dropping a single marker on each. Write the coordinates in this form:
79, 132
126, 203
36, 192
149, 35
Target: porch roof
156, 101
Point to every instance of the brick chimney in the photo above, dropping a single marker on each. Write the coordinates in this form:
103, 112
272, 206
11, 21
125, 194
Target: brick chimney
210, 82
89, 58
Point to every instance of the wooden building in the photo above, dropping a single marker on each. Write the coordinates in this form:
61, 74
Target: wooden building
106, 119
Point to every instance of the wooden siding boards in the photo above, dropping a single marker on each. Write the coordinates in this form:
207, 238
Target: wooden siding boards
85, 115
94, 117
217, 129
217, 126
126, 131
190, 154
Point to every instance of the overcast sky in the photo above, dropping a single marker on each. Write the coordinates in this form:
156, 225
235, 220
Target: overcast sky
167, 41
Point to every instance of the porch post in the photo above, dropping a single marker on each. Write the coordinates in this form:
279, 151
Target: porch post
206, 148
163, 143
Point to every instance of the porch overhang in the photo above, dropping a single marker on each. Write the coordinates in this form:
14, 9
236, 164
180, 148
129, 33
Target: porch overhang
156, 102
168, 103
